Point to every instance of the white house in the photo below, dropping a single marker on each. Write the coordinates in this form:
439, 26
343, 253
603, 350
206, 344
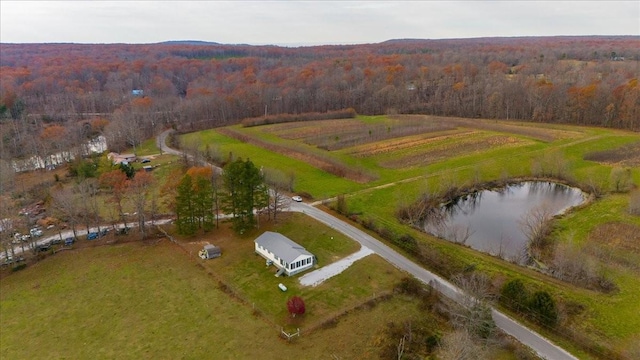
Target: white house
285, 254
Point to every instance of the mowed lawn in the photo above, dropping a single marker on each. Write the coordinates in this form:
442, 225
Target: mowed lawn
245, 273
155, 300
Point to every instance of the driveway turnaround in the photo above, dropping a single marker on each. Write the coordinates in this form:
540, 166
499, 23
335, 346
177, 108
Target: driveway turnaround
541, 345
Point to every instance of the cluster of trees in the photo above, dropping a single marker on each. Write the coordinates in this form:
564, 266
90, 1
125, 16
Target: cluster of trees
196, 201
539, 306
238, 192
54, 96
126, 189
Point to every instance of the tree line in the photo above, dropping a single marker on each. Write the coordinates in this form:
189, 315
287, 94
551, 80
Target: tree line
55, 96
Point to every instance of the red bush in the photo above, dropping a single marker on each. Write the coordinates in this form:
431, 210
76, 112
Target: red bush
295, 305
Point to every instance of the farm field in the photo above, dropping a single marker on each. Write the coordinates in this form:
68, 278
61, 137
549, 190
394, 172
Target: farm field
460, 152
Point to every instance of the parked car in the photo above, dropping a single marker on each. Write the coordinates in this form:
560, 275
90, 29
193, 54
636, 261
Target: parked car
10, 260
92, 236
104, 232
17, 238
55, 241
43, 247
69, 241
35, 232
297, 198
144, 161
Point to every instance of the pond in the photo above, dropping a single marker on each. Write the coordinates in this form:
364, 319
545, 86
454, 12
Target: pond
493, 221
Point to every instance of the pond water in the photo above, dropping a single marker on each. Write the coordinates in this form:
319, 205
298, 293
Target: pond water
492, 220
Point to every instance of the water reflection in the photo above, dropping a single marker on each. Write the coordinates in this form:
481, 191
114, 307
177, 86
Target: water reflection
490, 220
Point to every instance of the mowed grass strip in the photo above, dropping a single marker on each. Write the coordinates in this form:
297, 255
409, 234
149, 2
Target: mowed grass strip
310, 179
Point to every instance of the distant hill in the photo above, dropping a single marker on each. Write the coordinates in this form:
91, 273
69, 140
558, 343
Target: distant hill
188, 42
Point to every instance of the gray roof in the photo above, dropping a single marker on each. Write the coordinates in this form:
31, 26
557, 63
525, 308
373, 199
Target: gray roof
211, 249
281, 246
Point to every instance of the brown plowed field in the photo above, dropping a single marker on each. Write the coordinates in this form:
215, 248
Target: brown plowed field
628, 155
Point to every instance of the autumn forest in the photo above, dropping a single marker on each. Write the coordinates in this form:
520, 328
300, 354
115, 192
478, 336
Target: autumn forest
56, 96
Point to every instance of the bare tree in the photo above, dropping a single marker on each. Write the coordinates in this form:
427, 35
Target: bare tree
7, 176
460, 345
457, 233
473, 312
551, 164
139, 188
621, 179
278, 184
572, 265
86, 190
67, 205
7, 227
536, 225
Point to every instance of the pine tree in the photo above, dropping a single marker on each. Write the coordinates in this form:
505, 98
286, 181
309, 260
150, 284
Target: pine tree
515, 295
245, 191
544, 308
203, 203
185, 207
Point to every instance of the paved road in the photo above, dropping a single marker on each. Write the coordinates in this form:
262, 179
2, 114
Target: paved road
542, 346
161, 142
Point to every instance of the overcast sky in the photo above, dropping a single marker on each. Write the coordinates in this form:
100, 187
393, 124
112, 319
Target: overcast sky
307, 22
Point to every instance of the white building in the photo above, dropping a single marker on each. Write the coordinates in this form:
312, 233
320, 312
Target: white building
285, 254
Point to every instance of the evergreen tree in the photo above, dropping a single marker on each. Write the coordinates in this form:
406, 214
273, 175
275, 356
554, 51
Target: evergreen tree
515, 295
194, 202
544, 308
185, 214
203, 202
245, 191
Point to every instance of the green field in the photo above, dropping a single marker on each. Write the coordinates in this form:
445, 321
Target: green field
460, 152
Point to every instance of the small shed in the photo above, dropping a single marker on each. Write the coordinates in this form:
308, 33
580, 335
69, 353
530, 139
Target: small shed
210, 252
